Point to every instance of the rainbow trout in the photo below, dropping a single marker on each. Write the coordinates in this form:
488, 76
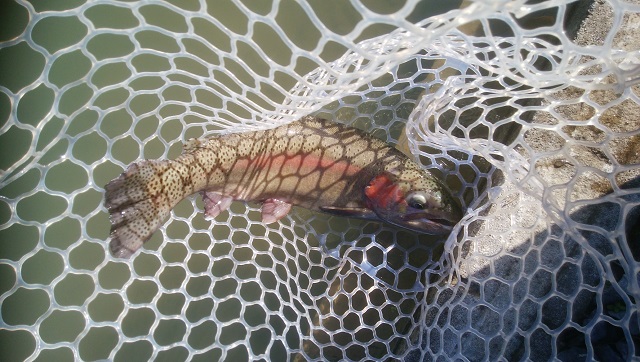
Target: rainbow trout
312, 163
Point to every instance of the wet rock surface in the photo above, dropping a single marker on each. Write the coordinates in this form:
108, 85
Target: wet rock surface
543, 288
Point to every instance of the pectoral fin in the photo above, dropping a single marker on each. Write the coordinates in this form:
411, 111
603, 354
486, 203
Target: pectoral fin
356, 212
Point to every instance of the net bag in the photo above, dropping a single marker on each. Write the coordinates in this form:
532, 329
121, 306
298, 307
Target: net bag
529, 110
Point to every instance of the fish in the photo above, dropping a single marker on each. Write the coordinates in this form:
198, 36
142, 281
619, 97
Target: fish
312, 163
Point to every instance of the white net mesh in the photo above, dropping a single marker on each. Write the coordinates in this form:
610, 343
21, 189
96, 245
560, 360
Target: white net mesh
530, 113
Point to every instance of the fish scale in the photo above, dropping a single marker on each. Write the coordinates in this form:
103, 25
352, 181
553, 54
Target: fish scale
312, 163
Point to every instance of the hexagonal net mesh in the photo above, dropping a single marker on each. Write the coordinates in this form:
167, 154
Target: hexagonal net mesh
527, 109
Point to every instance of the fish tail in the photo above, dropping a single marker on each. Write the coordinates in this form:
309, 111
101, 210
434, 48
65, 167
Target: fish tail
140, 200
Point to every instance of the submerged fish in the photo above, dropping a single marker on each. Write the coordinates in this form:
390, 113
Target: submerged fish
312, 163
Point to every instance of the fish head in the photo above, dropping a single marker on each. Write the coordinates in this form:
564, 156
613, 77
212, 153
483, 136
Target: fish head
413, 199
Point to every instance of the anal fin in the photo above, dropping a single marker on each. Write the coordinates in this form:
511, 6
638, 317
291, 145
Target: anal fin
215, 203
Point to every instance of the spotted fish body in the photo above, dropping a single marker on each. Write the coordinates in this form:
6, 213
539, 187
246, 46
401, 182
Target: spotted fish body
312, 163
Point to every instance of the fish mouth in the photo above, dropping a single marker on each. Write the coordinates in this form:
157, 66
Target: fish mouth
427, 223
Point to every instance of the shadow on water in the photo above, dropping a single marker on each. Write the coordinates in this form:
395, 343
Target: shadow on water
584, 305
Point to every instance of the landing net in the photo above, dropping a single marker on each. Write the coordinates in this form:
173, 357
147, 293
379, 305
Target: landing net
529, 110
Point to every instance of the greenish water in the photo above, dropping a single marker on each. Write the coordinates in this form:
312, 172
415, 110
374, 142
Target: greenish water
52, 242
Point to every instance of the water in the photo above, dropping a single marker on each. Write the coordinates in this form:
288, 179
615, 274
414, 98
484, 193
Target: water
59, 142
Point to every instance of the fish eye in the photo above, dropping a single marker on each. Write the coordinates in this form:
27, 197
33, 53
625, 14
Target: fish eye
417, 201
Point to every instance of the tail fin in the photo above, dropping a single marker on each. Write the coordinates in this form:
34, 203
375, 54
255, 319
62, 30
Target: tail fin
139, 201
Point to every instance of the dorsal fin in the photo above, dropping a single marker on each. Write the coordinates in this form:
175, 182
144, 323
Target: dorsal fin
192, 144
